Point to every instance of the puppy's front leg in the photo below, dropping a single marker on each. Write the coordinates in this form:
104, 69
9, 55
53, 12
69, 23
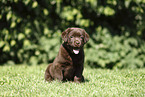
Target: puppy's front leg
78, 75
78, 79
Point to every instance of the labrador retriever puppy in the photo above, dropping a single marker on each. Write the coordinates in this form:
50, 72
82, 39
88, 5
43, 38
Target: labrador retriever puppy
69, 63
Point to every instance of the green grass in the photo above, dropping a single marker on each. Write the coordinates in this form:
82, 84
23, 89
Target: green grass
29, 81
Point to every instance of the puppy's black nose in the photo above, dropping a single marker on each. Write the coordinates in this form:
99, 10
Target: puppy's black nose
77, 42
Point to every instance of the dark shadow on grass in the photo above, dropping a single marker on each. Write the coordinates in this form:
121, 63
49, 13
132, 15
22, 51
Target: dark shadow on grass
107, 66
86, 80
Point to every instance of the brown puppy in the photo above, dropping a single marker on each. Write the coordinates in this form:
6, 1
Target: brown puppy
69, 63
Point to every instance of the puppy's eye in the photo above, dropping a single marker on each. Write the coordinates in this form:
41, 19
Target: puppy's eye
82, 37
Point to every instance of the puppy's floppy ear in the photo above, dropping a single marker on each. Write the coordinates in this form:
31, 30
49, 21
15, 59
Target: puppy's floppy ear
86, 37
64, 34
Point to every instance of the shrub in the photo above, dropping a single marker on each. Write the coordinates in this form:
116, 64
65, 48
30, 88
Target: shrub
105, 50
30, 30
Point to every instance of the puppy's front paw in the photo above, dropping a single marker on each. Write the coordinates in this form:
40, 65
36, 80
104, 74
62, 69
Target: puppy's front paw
77, 79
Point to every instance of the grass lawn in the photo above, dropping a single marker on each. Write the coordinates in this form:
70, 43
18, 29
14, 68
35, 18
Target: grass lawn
29, 81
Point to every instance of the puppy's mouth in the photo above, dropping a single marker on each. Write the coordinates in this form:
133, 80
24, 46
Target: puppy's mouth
76, 51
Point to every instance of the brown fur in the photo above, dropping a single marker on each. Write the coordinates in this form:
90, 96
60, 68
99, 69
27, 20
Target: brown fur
69, 64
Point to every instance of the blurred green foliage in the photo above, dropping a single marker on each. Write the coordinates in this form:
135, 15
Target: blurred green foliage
30, 30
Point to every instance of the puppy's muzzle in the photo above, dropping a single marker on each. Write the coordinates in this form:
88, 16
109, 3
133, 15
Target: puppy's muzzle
77, 43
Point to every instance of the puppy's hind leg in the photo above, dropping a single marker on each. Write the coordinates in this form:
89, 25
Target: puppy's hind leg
48, 76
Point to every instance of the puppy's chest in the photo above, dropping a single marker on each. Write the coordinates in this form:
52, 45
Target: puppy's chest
77, 60
73, 60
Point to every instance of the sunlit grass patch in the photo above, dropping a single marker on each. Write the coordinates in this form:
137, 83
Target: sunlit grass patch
29, 81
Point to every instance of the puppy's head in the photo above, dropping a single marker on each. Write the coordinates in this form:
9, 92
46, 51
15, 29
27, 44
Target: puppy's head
75, 38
